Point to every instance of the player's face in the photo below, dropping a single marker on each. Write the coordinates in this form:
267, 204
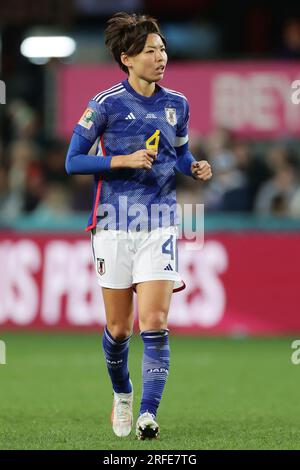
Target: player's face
150, 64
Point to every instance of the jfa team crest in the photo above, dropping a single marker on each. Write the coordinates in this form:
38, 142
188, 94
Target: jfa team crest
171, 116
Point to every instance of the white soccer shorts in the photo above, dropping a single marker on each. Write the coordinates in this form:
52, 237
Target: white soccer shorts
123, 259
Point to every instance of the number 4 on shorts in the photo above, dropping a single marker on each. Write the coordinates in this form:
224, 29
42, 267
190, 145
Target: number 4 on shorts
168, 247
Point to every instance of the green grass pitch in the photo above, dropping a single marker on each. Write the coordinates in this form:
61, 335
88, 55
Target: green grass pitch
221, 394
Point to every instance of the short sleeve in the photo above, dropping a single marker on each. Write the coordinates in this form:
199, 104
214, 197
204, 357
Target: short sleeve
93, 121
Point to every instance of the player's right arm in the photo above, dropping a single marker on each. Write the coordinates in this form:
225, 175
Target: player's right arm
92, 124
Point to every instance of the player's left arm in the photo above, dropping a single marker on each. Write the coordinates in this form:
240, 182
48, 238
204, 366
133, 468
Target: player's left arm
186, 163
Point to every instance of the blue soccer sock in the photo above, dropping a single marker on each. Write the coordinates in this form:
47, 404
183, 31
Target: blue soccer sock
155, 368
116, 355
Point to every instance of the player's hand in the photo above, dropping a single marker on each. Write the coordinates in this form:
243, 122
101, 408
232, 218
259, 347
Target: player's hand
141, 159
201, 170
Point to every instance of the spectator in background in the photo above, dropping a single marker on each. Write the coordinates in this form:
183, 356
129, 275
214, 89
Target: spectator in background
277, 158
35, 186
275, 196
24, 179
254, 167
294, 207
229, 189
3, 186
218, 140
24, 120
81, 194
245, 182
78, 189
54, 161
290, 43
55, 204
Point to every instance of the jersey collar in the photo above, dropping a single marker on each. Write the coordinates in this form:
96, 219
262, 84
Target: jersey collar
145, 99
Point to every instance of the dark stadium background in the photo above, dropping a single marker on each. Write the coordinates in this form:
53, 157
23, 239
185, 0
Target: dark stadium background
235, 327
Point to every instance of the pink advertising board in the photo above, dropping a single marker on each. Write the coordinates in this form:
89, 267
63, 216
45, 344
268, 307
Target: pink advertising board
252, 99
237, 284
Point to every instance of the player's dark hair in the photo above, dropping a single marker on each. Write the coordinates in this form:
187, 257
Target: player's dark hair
128, 33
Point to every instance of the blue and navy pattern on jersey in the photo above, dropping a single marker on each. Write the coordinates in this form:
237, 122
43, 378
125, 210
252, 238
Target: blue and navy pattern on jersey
123, 120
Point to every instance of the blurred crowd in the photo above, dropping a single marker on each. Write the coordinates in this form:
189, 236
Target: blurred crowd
245, 179
33, 179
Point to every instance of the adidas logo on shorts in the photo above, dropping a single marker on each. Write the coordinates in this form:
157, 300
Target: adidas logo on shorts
168, 268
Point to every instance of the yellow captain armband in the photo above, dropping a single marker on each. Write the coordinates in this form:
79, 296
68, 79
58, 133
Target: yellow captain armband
153, 141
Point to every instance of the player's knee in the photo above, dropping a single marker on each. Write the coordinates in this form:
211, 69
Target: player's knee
119, 332
154, 321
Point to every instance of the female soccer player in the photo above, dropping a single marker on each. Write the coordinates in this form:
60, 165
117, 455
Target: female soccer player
142, 132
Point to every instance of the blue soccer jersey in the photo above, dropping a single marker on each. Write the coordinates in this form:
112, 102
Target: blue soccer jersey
123, 121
